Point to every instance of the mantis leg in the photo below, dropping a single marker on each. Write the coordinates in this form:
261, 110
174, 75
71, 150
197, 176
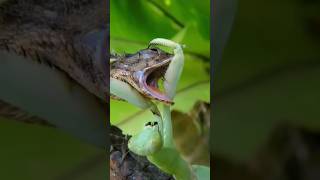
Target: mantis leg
168, 158
128, 93
175, 68
172, 78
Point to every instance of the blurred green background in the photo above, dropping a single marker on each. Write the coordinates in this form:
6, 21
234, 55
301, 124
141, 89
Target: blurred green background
34, 152
266, 121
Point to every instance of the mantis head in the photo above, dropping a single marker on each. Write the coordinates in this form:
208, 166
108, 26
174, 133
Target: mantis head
148, 141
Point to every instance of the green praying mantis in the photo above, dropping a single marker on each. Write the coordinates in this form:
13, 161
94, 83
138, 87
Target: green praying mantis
155, 141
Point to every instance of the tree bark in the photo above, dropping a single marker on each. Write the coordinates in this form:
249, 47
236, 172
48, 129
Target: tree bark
125, 165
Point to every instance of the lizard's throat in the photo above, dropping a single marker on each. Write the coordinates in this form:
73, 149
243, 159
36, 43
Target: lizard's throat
149, 82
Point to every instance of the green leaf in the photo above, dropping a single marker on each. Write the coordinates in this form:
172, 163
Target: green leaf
138, 21
194, 42
186, 11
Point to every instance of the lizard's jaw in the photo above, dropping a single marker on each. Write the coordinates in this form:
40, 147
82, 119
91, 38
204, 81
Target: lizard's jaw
149, 80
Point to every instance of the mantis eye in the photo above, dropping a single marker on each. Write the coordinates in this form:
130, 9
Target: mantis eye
151, 124
148, 124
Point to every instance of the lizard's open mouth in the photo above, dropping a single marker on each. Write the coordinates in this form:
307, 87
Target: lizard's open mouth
150, 80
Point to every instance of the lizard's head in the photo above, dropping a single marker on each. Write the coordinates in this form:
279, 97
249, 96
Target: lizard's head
143, 71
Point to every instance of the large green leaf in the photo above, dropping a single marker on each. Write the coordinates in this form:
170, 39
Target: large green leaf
138, 21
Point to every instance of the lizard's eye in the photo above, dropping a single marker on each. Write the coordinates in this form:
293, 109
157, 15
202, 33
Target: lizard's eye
155, 50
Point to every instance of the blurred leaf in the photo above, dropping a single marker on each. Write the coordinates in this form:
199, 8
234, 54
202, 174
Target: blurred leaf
33, 152
191, 133
186, 11
262, 40
269, 75
63, 103
256, 109
138, 21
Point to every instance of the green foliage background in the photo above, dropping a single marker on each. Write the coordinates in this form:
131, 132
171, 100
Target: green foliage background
269, 74
134, 23
32, 152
